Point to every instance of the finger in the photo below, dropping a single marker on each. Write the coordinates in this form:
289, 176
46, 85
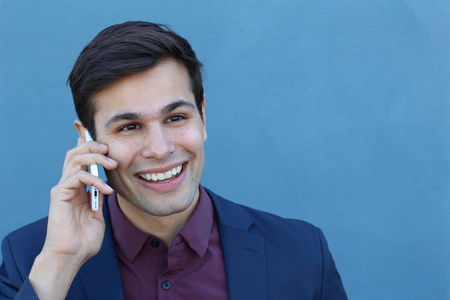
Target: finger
68, 188
88, 179
82, 161
83, 148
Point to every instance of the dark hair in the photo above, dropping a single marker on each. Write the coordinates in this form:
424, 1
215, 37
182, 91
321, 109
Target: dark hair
125, 49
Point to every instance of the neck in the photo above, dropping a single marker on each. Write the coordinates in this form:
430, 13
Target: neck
163, 227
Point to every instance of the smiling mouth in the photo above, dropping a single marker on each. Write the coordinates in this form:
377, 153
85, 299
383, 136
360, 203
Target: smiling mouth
162, 177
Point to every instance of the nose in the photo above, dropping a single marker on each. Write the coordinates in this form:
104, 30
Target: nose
158, 143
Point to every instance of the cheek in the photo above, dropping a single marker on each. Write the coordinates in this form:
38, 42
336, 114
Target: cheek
123, 153
205, 135
191, 140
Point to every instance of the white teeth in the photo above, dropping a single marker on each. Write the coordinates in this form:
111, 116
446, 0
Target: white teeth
162, 176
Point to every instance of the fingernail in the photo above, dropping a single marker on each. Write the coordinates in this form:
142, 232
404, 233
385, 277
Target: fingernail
111, 160
109, 188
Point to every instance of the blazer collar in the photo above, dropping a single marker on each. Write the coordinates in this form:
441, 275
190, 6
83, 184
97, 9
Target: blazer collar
243, 252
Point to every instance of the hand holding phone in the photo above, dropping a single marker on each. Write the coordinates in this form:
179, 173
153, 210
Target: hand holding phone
93, 169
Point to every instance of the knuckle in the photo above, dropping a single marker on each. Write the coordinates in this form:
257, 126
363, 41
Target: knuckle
53, 190
70, 153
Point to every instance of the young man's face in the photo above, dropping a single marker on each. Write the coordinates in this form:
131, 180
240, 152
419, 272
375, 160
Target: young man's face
154, 131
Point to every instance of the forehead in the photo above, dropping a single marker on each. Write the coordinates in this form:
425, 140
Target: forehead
147, 91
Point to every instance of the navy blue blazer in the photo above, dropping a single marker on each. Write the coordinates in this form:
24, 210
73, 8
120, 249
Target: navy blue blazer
266, 258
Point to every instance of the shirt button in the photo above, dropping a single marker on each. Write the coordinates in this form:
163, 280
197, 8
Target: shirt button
166, 285
154, 243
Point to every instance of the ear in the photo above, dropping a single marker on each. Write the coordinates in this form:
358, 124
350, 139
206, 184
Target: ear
205, 135
80, 128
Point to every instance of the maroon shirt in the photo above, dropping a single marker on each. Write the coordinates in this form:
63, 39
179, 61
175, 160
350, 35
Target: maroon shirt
192, 267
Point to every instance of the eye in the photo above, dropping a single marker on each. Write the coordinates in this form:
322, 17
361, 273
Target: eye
129, 127
175, 118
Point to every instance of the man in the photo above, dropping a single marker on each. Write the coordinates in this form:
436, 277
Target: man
137, 88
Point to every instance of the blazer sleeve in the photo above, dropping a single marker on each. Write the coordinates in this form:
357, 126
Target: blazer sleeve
332, 288
13, 284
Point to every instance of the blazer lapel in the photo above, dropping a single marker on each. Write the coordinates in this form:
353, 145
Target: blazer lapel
100, 275
243, 252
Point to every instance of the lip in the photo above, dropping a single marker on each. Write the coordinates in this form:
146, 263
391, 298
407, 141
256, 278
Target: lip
163, 186
162, 169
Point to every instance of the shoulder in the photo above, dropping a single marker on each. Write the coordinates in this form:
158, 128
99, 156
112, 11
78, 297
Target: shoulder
25, 243
263, 223
295, 252
31, 233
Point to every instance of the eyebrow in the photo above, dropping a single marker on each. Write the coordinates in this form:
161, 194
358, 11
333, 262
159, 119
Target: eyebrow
176, 104
129, 116
126, 116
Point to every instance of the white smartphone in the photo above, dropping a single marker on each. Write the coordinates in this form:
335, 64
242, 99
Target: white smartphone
93, 169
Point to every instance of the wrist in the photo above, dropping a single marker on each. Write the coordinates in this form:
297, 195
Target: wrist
52, 274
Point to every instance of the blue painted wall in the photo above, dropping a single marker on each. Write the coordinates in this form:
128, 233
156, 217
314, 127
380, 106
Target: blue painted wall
335, 112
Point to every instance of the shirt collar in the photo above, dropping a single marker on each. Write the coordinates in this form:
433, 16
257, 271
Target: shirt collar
130, 240
197, 230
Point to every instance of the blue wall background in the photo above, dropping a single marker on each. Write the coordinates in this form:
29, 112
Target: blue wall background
335, 112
